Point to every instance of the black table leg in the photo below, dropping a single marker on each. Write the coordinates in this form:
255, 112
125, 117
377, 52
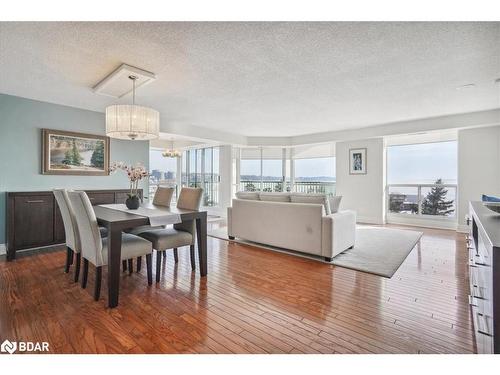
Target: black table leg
114, 262
201, 232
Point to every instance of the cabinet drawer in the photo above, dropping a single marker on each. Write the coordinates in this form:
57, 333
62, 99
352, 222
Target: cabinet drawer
101, 198
33, 220
120, 197
483, 251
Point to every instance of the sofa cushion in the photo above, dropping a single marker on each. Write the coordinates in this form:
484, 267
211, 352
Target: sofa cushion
334, 203
250, 195
274, 197
312, 198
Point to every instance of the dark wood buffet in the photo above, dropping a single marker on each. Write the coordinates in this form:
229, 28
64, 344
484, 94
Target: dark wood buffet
34, 220
483, 243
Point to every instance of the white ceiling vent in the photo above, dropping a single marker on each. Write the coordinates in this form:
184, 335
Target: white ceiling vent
117, 83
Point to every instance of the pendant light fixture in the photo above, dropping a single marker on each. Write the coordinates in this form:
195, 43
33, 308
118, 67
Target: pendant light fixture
131, 121
172, 152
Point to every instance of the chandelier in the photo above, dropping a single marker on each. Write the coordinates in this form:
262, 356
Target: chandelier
131, 121
172, 152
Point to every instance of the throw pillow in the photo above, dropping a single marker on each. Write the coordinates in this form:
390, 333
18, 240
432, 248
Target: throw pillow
275, 197
312, 198
250, 195
335, 203
489, 198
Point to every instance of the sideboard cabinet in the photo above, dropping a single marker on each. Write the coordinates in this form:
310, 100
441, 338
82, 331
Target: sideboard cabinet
34, 220
483, 244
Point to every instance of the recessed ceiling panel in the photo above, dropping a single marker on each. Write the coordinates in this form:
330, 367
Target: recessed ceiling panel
118, 82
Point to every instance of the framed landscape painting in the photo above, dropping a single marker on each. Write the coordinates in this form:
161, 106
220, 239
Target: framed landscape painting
68, 153
357, 161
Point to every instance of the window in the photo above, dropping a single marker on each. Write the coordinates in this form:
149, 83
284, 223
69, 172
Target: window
272, 169
308, 169
250, 174
314, 169
422, 163
422, 179
200, 168
162, 171
261, 169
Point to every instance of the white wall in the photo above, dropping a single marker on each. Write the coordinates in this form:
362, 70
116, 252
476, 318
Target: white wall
363, 193
478, 167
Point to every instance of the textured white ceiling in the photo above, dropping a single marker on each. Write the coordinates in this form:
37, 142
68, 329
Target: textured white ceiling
262, 78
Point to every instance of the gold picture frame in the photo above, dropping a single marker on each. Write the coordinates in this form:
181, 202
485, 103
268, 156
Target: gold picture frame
74, 154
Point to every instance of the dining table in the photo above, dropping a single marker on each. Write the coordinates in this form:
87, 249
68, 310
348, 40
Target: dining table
118, 221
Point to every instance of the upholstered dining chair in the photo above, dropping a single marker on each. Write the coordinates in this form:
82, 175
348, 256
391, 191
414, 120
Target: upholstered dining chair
182, 234
162, 197
71, 234
94, 248
72, 239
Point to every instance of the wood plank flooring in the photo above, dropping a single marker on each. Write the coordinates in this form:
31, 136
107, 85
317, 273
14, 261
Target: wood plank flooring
253, 301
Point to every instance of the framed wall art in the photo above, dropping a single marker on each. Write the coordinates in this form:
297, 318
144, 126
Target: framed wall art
69, 153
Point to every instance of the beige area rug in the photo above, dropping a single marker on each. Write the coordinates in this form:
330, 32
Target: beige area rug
379, 251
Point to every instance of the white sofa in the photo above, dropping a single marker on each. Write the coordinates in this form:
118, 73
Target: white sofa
303, 227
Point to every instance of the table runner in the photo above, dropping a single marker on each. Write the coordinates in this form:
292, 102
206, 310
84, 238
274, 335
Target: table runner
156, 216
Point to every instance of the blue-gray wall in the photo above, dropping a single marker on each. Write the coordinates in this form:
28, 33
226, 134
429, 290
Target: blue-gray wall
20, 148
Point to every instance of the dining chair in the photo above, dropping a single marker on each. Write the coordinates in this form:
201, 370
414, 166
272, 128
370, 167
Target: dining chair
71, 234
94, 248
182, 234
162, 197
69, 223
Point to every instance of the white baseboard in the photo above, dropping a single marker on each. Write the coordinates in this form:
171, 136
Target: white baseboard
369, 220
424, 223
3, 249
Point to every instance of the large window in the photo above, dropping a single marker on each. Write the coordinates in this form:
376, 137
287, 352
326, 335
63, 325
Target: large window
314, 175
308, 169
261, 169
314, 169
200, 168
162, 171
422, 179
272, 169
250, 169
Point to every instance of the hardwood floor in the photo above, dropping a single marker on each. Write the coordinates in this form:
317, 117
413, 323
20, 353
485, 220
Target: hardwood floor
253, 301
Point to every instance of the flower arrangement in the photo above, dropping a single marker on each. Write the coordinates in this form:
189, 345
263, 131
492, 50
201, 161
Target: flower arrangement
135, 173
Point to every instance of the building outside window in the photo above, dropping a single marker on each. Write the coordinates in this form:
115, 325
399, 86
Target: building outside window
162, 171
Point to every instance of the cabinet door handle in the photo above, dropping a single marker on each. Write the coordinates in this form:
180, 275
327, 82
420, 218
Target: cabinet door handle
473, 263
477, 296
481, 264
36, 201
471, 301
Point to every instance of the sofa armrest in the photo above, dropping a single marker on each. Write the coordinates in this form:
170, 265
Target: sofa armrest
338, 232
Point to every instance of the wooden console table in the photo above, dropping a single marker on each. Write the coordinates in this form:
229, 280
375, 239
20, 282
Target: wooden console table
33, 218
